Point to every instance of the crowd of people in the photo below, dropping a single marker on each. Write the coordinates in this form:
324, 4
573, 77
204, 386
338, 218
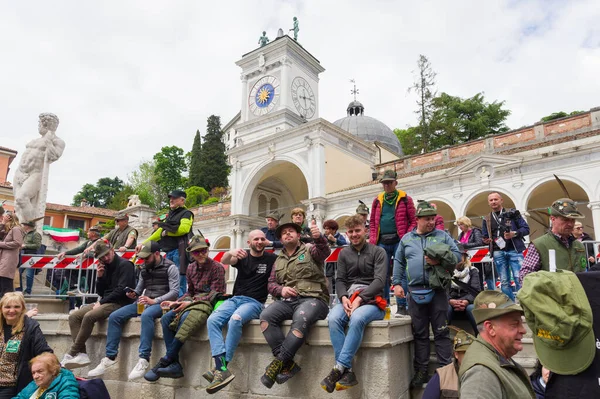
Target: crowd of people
402, 247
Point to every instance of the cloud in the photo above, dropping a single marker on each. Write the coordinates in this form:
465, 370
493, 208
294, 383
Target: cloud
130, 77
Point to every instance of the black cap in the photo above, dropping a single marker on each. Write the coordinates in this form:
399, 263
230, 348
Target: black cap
177, 194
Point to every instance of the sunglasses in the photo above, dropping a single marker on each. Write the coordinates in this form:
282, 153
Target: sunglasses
200, 251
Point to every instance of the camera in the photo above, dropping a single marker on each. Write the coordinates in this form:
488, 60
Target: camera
504, 225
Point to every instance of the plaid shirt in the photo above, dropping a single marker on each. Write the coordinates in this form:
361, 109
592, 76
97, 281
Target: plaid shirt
203, 279
532, 262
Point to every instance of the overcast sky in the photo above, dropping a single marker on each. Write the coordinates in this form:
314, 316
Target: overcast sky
128, 77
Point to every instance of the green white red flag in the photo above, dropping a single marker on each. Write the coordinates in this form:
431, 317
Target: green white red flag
61, 235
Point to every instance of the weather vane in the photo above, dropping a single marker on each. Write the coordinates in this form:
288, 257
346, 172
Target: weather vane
354, 91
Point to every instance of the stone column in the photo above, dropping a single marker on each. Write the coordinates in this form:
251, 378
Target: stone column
595, 208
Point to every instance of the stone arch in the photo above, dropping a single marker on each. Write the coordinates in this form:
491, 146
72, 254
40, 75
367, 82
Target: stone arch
283, 178
447, 212
540, 197
341, 219
222, 242
262, 205
476, 205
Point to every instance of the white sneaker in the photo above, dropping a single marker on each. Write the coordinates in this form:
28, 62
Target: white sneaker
65, 359
105, 363
139, 370
80, 360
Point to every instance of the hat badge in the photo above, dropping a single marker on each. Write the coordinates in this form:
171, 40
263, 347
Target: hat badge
492, 305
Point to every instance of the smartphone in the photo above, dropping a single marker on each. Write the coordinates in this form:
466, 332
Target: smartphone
127, 289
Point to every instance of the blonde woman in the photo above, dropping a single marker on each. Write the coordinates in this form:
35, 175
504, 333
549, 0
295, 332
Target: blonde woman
10, 247
21, 339
49, 380
469, 236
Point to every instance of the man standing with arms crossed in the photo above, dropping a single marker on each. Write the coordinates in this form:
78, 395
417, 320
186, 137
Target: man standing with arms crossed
392, 216
249, 295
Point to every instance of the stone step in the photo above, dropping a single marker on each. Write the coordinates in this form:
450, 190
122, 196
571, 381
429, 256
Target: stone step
48, 305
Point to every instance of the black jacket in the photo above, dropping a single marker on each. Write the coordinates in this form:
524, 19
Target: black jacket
475, 239
459, 293
33, 344
118, 274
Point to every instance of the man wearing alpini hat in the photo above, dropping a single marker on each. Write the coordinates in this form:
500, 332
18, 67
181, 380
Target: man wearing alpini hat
444, 383
488, 370
570, 253
272, 220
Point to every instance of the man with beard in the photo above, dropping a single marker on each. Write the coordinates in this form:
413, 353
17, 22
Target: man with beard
206, 283
159, 281
249, 295
172, 235
298, 282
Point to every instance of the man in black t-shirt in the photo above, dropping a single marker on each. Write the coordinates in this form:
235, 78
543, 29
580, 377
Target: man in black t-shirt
249, 295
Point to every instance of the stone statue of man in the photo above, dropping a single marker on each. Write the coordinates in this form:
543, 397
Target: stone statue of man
31, 178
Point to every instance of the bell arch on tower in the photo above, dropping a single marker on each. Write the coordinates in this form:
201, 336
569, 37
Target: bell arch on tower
280, 183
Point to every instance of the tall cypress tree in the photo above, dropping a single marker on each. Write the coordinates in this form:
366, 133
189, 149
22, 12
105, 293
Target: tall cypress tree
195, 177
214, 167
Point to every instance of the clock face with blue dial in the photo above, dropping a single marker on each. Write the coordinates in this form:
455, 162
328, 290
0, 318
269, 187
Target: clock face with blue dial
264, 95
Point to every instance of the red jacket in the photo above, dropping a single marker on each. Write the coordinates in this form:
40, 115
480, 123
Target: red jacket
405, 216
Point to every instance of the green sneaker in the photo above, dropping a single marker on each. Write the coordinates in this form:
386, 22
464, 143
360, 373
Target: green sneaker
221, 379
274, 368
347, 381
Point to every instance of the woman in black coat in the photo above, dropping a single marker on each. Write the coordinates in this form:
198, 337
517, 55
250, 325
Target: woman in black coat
469, 237
21, 340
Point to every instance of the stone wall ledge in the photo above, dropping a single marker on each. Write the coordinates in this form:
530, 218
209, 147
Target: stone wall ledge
383, 364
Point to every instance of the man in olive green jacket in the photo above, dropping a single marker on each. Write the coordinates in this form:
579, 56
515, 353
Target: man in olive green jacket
298, 282
487, 370
570, 253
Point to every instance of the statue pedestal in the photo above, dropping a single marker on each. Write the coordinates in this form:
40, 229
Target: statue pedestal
140, 216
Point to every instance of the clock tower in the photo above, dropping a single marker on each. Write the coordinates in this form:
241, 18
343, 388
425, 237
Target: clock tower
279, 88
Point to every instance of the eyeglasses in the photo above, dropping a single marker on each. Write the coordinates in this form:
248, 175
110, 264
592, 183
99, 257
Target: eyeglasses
200, 251
577, 228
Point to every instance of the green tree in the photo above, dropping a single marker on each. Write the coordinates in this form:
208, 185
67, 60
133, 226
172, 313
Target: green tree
214, 167
410, 139
558, 115
195, 196
120, 200
101, 194
424, 87
457, 120
169, 164
195, 164
143, 182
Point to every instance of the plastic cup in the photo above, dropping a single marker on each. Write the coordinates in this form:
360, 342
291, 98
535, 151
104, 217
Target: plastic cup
140, 308
30, 306
165, 308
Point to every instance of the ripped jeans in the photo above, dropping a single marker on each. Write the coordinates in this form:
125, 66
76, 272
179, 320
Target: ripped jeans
304, 312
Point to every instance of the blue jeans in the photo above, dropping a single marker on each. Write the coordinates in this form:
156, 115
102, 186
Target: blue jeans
115, 327
30, 275
390, 250
173, 256
235, 312
345, 346
168, 334
505, 260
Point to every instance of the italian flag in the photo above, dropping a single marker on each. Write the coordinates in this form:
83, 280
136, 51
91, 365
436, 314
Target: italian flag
61, 235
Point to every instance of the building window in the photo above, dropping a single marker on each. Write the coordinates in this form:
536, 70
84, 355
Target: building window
48, 220
274, 205
262, 206
75, 224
